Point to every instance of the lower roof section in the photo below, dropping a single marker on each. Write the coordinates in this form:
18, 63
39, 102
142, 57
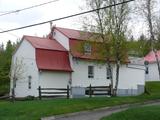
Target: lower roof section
53, 60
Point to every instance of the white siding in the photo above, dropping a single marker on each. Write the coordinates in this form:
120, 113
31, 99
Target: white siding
129, 78
51, 79
80, 74
153, 74
61, 38
26, 54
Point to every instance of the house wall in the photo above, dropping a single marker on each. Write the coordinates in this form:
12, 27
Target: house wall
130, 80
53, 79
153, 74
25, 55
62, 39
80, 74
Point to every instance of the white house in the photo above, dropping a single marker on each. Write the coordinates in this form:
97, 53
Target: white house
56, 62
152, 73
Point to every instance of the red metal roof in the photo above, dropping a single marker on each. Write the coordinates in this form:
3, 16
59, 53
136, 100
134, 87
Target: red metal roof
53, 60
74, 34
44, 43
76, 37
50, 55
150, 57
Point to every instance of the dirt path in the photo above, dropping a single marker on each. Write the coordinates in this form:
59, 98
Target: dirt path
99, 113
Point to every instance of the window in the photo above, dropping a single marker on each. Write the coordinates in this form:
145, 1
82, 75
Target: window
29, 82
90, 71
87, 48
108, 73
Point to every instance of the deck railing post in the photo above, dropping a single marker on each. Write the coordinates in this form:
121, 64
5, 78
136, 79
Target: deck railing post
67, 91
39, 89
90, 91
110, 89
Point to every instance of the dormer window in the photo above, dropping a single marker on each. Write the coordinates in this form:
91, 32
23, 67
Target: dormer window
87, 48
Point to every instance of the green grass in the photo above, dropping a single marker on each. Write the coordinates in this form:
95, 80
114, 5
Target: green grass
34, 110
153, 88
141, 113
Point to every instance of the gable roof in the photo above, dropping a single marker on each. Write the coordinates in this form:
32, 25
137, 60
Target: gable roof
76, 37
49, 54
44, 43
150, 57
75, 34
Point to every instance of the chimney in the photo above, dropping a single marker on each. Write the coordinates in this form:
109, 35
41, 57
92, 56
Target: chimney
52, 33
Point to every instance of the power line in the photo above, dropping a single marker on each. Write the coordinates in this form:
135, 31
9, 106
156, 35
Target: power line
61, 18
11, 33
5, 11
19, 10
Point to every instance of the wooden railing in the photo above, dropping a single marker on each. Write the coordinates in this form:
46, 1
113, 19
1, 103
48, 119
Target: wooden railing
54, 92
98, 90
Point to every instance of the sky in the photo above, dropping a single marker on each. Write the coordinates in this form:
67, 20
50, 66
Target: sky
57, 9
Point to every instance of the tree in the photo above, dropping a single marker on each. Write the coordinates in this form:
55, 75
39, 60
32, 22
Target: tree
17, 71
147, 8
139, 47
157, 33
111, 25
5, 64
143, 45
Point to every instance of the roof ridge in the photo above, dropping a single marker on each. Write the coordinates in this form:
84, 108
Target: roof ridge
44, 43
35, 37
62, 30
72, 29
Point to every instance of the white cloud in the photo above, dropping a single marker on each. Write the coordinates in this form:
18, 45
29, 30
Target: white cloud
47, 12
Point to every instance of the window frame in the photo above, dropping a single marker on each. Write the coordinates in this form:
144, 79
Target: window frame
108, 73
87, 49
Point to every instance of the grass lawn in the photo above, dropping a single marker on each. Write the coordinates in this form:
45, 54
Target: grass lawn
141, 113
34, 110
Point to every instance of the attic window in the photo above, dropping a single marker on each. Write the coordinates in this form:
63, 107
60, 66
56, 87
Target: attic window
87, 48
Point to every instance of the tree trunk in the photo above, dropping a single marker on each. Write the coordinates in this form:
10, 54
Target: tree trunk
117, 77
13, 94
157, 61
152, 38
111, 77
